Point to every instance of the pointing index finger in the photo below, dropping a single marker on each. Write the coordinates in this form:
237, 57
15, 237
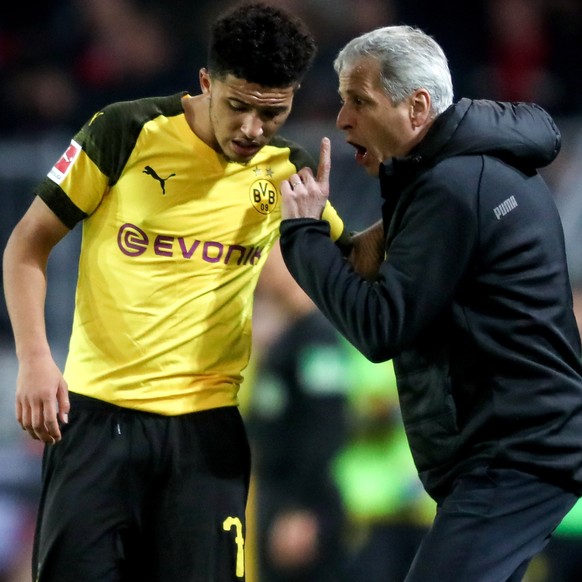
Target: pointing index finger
324, 167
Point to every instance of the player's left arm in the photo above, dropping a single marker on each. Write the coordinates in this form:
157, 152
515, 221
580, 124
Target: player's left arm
366, 250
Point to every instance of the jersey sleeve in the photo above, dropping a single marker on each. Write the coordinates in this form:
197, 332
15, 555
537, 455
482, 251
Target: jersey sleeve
336, 224
74, 187
93, 161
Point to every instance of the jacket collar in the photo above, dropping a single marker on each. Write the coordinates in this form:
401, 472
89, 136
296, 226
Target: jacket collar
521, 134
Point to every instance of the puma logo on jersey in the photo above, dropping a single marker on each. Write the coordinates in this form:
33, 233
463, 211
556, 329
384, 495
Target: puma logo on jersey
151, 172
505, 207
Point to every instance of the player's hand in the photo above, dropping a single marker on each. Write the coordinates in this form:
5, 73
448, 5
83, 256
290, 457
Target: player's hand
294, 539
42, 399
303, 195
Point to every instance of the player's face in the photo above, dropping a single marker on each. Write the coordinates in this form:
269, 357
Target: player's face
376, 127
245, 116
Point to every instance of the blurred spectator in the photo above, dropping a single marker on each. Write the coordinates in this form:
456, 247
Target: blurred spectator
525, 50
124, 49
388, 511
37, 89
518, 52
338, 496
297, 422
36, 97
60, 61
531, 53
61, 65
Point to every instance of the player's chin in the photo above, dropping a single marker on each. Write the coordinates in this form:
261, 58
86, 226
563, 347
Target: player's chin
242, 154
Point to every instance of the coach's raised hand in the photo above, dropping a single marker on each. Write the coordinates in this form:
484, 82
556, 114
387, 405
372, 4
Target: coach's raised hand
305, 196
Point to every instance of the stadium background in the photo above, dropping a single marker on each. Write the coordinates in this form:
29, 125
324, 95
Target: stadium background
60, 60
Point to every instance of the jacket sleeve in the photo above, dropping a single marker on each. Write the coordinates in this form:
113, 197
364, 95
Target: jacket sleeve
425, 262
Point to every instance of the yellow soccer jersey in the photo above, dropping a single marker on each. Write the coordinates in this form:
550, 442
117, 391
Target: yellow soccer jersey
174, 238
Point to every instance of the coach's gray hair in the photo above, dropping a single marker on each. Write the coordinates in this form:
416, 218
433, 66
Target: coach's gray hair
409, 60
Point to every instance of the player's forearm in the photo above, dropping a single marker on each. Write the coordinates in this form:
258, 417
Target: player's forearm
367, 250
372, 238
25, 292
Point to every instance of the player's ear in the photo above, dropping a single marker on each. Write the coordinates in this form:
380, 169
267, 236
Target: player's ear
204, 78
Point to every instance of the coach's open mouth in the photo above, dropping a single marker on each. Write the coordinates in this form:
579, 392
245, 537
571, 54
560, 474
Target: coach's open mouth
361, 151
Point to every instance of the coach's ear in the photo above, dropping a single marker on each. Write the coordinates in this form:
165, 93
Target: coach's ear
419, 111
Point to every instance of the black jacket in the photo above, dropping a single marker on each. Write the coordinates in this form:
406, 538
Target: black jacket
473, 300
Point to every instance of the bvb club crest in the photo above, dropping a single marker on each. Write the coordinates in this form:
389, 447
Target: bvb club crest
264, 196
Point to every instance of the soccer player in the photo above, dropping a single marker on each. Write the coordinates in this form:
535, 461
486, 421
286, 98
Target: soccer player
146, 468
472, 301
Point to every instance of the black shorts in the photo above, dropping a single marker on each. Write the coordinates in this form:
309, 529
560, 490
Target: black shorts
132, 496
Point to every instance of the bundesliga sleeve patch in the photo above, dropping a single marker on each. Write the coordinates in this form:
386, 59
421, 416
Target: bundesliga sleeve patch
60, 170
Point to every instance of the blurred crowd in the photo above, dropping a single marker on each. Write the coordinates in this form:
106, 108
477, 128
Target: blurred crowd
61, 60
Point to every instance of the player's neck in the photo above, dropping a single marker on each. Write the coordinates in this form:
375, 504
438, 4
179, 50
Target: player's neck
196, 110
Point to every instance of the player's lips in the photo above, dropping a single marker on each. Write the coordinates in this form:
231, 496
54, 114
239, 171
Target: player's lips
245, 149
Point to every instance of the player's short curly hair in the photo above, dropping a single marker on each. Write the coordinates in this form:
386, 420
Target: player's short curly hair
261, 44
